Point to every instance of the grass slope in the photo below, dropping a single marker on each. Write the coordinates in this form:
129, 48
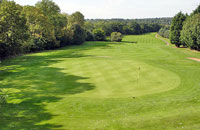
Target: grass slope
103, 86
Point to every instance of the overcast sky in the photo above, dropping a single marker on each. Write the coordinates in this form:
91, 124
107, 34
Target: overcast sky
123, 8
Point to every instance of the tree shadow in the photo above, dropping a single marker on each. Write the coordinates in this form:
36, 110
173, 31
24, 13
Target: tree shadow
33, 84
129, 42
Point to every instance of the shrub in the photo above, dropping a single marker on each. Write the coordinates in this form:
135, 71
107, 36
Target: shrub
99, 35
116, 37
190, 35
164, 32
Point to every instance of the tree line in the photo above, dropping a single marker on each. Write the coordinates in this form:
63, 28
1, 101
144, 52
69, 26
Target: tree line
126, 27
25, 29
185, 30
161, 21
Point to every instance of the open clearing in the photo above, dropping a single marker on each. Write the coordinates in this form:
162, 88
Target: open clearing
103, 86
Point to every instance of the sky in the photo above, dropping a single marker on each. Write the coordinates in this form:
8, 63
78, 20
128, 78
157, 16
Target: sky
128, 9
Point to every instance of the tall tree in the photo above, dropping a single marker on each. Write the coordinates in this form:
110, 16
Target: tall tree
12, 29
197, 10
52, 11
190, 34
175, 29
48, 7
40, 28
76, 18
78, 34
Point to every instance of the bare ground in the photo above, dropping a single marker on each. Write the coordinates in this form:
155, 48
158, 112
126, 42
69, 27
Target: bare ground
195, 59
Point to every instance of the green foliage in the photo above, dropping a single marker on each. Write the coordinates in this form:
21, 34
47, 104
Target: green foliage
78, 34
196, 11
116, 37
48, 7
36, 28
76, 18
40, 27
99, 35
134, 28
52, 11
112, 27
175, 29
164, 32
89, 36
12, 28
190, 35
124, 26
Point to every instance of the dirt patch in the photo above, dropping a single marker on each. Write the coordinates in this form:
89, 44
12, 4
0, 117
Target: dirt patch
195, 59
167, 43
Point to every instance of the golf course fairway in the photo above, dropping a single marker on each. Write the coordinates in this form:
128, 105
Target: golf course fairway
138, 84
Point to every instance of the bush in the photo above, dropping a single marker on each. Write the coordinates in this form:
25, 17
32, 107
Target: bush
89, 36
34, 44
99, 35
116, 37
164, 32
190, 35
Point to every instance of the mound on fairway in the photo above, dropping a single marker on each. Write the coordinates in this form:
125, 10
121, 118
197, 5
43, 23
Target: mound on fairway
141, 84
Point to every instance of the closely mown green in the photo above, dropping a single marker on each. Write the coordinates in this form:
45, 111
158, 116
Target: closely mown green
144, 85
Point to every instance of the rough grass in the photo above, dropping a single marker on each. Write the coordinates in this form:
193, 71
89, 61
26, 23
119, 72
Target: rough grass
138, 84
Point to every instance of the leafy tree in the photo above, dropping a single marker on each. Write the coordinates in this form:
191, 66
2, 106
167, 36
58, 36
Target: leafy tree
52, 11
175, 29
134, 28
42, 34
12, 29
89, 26
48, 7
196, 11
190, 35
116, 37
59, 23
89, 36
78, 34
76, 18
99, 35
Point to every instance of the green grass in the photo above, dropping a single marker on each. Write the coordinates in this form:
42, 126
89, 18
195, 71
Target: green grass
138, 84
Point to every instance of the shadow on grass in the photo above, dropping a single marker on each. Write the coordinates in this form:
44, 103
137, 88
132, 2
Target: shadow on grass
33, 84
129, 42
